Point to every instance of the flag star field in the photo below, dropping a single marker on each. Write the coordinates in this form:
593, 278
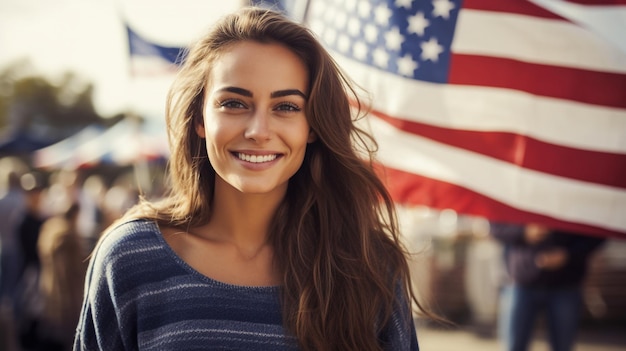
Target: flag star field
411, 39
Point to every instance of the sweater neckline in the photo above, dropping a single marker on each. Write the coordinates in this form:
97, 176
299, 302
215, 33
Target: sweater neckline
156, 230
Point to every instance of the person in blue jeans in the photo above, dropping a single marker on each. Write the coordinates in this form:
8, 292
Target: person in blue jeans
546, 270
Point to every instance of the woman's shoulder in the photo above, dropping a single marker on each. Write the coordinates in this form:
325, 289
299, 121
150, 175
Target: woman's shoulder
134, 237
136, 226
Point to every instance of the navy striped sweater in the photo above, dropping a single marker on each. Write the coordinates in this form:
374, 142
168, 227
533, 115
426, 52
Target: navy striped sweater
140, 295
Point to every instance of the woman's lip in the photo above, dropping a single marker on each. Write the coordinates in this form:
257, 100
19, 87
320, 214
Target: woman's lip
255, 152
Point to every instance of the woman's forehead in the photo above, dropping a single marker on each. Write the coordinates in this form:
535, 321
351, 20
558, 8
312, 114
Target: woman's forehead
253, 64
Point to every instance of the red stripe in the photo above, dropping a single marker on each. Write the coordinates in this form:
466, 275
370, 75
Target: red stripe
586, 165
413, 189
519, 7
592, 87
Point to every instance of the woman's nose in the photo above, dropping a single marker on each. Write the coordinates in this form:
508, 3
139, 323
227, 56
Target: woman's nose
258, 128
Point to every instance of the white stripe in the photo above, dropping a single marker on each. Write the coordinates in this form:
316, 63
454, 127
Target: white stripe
609, 21
134, 252
162, 337
207, 331
537, 40
151, 65
492, 109
145, 294
562, 198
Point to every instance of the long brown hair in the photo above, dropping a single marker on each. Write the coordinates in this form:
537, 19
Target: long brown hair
335, 235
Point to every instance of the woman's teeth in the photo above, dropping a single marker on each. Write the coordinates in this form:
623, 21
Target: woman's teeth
256, 158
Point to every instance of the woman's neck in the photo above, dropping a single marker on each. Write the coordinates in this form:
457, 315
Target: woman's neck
240, 219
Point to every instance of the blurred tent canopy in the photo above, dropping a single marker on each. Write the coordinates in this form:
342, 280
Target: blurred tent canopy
129, 141
21, 142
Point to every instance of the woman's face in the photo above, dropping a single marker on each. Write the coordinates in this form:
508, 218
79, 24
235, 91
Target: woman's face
254, 122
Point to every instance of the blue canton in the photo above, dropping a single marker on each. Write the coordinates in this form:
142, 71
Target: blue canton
404, 37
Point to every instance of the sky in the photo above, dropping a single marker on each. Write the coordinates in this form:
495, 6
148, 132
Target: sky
88, 37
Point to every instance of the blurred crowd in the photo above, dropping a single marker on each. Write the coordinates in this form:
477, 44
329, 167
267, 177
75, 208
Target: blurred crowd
49, 224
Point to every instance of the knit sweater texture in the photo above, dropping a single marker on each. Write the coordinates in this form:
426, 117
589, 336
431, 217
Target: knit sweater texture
140, 295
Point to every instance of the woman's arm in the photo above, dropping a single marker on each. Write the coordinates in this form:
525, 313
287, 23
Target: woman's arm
100, 326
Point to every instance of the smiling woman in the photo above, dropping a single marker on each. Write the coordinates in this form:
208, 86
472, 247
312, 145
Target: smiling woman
277, 234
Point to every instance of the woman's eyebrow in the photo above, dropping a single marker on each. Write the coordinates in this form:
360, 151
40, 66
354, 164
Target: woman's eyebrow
275, 94
236, 90
287, 92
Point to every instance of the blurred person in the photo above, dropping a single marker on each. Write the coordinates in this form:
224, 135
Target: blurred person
90, 196
63, 267
59, 194
118, 199
27, 295
276, 234
12, 208
33, 218
546, 269
67, 187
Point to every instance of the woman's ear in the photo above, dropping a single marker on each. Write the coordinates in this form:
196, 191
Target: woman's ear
312, 136
200, 129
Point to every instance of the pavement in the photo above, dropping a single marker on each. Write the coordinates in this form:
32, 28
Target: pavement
462, 338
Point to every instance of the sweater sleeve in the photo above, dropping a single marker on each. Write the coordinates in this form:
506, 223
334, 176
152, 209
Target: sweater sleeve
100, 326
400, 333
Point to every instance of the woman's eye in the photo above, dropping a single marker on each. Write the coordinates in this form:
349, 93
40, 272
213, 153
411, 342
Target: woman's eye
232, 104
287, 106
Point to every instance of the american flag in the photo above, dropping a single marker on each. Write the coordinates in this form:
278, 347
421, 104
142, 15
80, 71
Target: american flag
496, 108
152, 68
150, 58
